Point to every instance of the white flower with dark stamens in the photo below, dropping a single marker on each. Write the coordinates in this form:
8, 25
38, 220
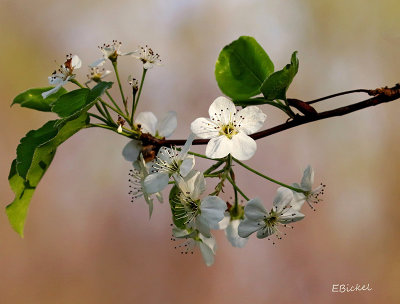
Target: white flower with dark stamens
63, 75
137, 176
207, 245
133, 83
169, 163
147, 57
110, 51
258, 219
231, 231
310, 196
229, 130
97, 73
202, 214
150, 124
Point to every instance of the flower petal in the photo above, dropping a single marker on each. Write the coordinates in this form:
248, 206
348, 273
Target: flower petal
52, 91
247, 227
187, 165
167, 125
243, 146
207, 249
291, 215
308, 179
156, 182
76, 62
250, 119
131, 150
222, 110
283, 198
186, 147
204, 128
298, 199
203, 226
148, 122
212, 209
232, 235
219, 147
255, 210
193, 183
97, 63
263, 233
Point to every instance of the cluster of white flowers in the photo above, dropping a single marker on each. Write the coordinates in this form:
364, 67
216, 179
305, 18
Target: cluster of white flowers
196, 214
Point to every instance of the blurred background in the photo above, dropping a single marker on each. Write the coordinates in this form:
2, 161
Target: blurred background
86, 243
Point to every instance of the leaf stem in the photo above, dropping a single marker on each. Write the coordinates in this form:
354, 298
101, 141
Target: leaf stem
236, 187
135, 102
339, 94
115, 65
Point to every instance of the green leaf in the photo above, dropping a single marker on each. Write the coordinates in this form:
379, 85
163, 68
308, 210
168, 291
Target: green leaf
242, 67
177, 218
33, 159
276, 85
33, 99
75, 102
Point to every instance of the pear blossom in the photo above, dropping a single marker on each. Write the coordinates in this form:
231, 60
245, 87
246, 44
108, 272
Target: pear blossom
207, 245
169, 162
258, 219
229, 130
310, 196
149, 123
110, 51
230, 226
63, 75
97, 73
137, 177
147, 57
200, 214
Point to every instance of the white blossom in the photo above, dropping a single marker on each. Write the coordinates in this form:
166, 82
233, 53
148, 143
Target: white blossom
110, 51
97, 73
207, 245
63, 75
310, 196
258, 219
169, 163
201, 214
137, 177
230, 226
150, 124
229, 130
147, 57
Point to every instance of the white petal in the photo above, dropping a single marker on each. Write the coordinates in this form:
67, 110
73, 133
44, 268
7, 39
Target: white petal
148, 122
244, 146
212, 209
219, 147
97, 63
131, 150
203, 226
207, 252
291, 215
165, 154
252, 119
52, 91
167, 125
263, 233
149, 202
147, 65
222, 110
159, 197
283, 198
255, 210
56, 79
156, 182
186, 147
76, 62
308, 179
232, 235
193, 183
204, 128
187, 165
247, 227
224, 223
298, 199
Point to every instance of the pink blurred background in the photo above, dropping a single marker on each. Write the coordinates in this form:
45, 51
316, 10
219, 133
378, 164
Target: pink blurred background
86, 243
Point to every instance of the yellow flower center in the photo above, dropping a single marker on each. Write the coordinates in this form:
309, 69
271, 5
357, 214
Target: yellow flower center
228, 130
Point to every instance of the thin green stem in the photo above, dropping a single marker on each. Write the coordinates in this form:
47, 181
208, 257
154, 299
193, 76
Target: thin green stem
114, 109
113, 101
100, 118
93, 125
237, 188
135, 102
266, 177
214, 167
200, 155
115, 65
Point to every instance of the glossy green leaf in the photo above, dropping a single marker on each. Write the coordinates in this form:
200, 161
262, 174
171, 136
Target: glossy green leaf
176, 213
242, 67
33, 159
78, 101
33, 99
277, 84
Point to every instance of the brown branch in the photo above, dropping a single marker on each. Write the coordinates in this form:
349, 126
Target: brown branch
381, 95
